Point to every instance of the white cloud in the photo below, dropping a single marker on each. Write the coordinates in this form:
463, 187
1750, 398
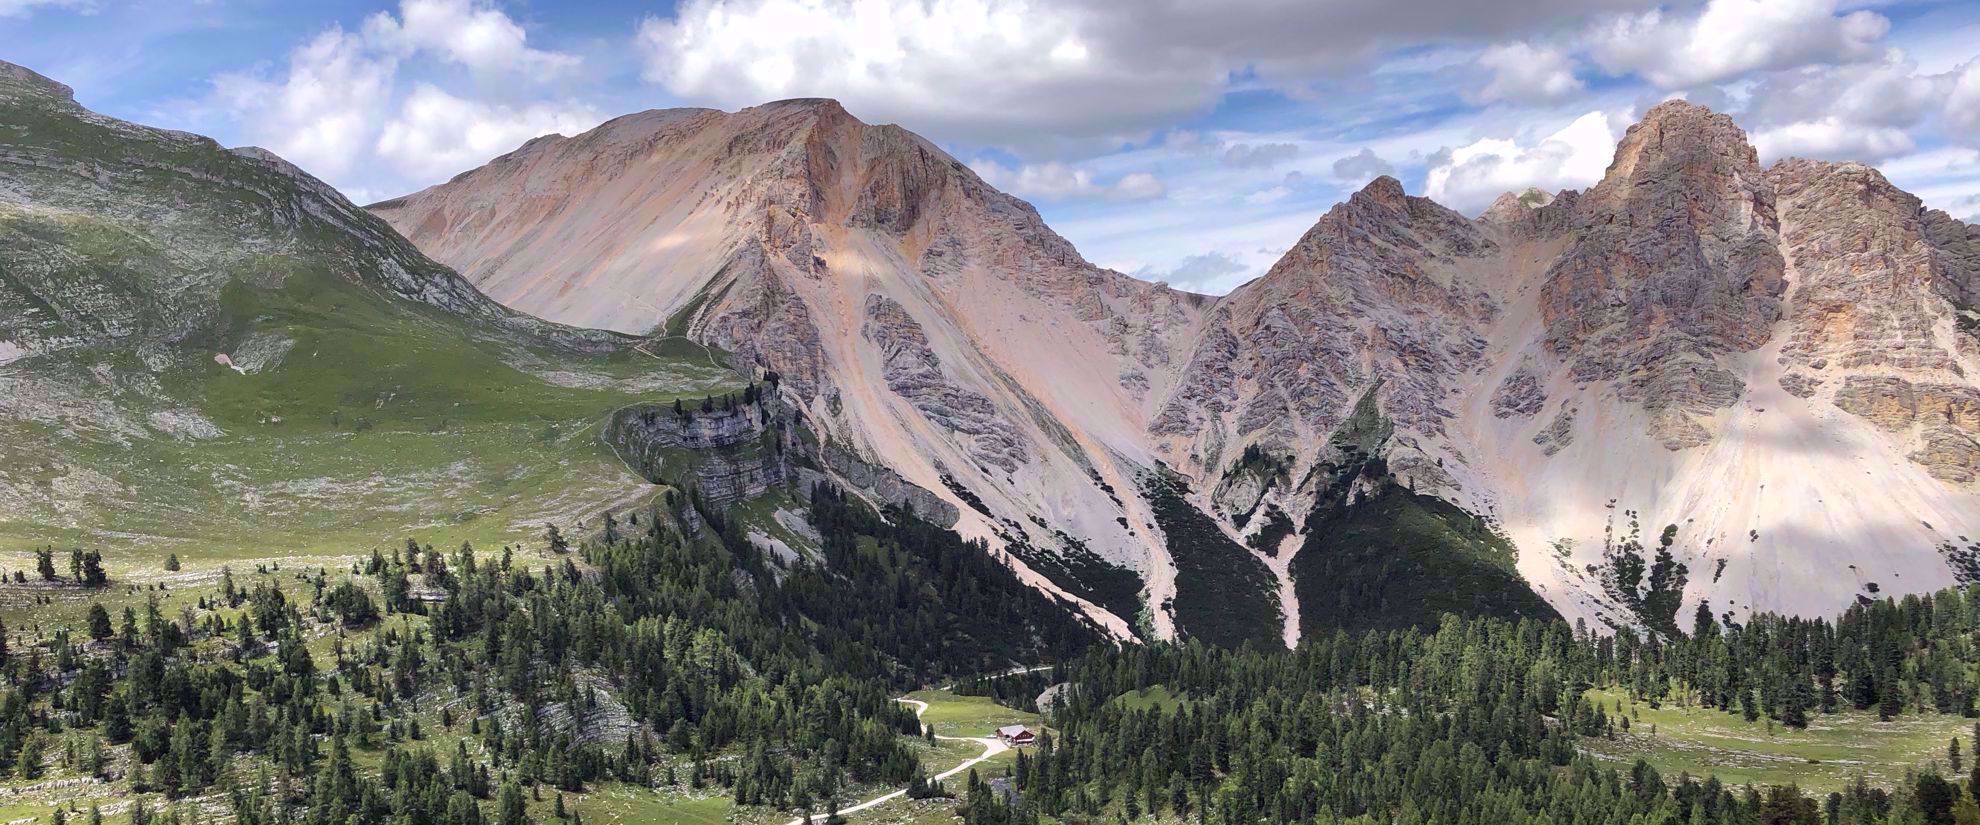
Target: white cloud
1362, 166
1054, 181
1269, 195
338, 107
1832, 138
1730, 38
1212, 273
1947, 177
436, 134
471, 34
1001, 71
1524, 73
1468, 178
1866, 111
1962, 112
322, 113
1933, 163
1036, 75
24, 8
1259, 155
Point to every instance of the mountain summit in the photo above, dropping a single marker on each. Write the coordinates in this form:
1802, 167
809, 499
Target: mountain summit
925, 321
1751, 382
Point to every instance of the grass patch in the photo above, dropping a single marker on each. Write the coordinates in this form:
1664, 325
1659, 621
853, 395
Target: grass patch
952, 715
620, 803
1158, 697
1831, 753
380, 420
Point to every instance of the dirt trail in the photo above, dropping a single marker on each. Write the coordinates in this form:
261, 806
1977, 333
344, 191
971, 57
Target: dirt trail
991, 747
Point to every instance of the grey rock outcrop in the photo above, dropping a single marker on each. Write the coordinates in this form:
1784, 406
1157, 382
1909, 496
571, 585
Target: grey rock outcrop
728, 456
1519, 396
1559, 432
914, 372
1674, 264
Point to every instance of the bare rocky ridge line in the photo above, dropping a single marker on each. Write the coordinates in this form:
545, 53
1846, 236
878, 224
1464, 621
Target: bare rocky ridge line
1743, 351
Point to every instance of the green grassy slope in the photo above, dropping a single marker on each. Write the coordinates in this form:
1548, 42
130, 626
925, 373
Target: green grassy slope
210, 353
1830, 754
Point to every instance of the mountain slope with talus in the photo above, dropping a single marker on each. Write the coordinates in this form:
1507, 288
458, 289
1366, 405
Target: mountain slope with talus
1412, 408
923, 320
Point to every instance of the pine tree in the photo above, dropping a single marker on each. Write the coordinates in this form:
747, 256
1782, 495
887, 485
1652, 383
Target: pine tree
99, 622
510, 807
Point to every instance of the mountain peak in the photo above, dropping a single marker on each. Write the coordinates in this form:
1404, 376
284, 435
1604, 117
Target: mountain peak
819, 104
1683, 138
1677, 108
12, 74
1385, 190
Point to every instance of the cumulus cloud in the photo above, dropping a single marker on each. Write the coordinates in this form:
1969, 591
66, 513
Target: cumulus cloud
1866, 111
1855, 112
1269, 195
1832, 138
435, 134
24, 8
471, 34
1962, 106
1468, 178
1054, 181
1259, 155
1211, 273
1362, 166
336, 107
1029, 72
1525, 73
1729, 38
999, 71
321, 114
1967, 208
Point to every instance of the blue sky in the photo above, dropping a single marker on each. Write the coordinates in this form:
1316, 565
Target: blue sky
1181, 140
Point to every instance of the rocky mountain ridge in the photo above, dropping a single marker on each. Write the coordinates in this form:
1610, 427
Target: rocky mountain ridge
1772, 359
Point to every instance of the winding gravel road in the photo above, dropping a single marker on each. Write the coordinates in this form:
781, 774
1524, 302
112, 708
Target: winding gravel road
991, 747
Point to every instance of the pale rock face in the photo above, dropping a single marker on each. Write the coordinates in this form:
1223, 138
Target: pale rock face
1372, 293
924, 322
1674, 265
1881, 302
914, 372
1774, 360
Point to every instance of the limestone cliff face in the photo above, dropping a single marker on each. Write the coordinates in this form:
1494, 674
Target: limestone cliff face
1881, 315
724, 455
1674, 264
1777, 360
1373, 293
